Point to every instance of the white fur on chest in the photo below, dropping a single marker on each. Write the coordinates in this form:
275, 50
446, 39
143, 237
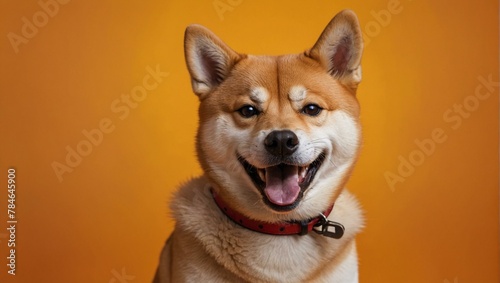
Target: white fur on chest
257, 257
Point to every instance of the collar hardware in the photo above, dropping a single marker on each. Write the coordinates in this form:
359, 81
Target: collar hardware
336, 233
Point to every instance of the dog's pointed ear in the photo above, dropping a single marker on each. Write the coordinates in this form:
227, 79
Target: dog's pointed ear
209, 59
339, 48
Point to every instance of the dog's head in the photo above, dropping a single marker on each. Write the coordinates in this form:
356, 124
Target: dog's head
278, 135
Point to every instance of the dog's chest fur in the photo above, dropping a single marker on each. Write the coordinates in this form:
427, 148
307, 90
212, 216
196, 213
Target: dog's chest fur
226, 252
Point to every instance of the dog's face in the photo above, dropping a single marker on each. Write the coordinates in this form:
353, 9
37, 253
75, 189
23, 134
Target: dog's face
278, 135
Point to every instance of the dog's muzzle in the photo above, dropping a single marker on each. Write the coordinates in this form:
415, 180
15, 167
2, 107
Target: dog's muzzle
282, 185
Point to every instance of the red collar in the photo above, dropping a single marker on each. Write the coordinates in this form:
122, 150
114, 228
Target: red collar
282, 228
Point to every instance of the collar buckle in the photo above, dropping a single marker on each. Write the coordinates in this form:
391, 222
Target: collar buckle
324, 228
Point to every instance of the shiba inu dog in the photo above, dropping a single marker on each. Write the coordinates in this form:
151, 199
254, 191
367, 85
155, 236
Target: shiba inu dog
277, 140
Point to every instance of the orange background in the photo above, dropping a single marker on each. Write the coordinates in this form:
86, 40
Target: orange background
108, 219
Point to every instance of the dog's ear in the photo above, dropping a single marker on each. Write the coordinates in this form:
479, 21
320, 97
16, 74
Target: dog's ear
209, 59
339, 48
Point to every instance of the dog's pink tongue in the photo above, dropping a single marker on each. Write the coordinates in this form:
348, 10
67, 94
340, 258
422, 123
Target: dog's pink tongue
282, 184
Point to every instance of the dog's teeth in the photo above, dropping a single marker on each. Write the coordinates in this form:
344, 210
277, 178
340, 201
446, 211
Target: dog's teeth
262, 174
302, 173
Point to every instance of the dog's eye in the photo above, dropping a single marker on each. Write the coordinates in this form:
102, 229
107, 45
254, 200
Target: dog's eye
312, 110
248, 111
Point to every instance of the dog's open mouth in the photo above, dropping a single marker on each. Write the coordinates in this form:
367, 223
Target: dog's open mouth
283, 185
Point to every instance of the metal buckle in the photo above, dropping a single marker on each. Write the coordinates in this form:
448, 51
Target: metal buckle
338, 229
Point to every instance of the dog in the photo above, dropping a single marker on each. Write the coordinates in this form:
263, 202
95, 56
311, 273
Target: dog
278, 138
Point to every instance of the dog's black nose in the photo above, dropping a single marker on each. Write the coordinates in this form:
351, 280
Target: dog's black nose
281, 143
